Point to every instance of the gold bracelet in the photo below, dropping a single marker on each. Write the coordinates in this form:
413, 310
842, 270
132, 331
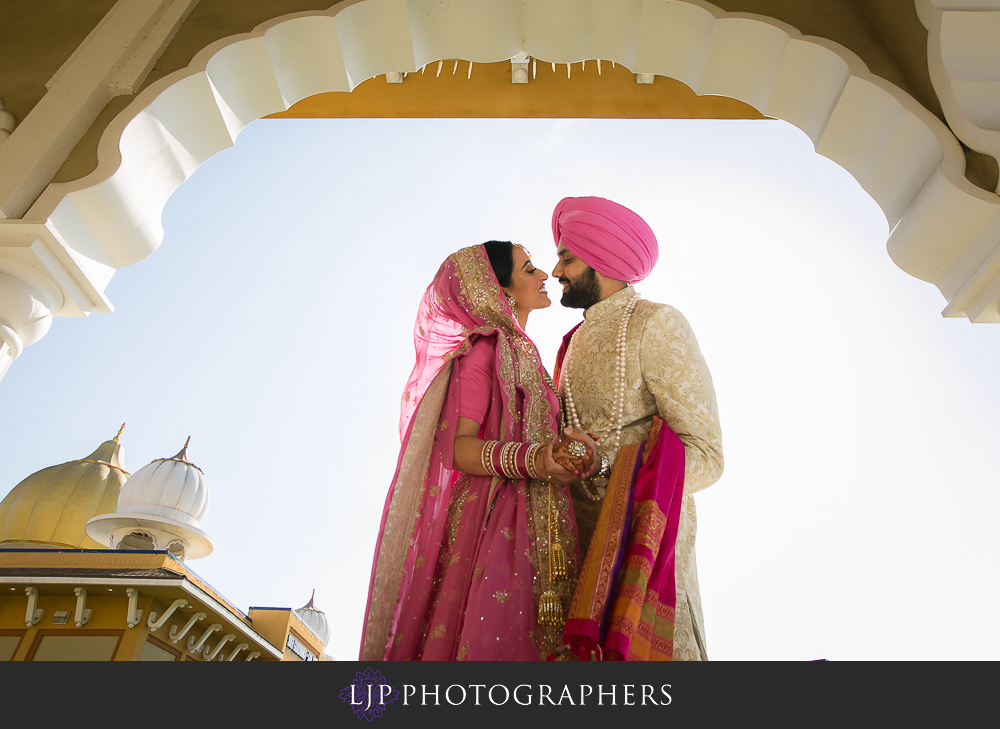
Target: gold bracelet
497, 458
493, 450
505, 459
486, 457
529, 461
508, 460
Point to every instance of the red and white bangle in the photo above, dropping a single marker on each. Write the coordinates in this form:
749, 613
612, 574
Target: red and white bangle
513, 460
508, 460
529, 461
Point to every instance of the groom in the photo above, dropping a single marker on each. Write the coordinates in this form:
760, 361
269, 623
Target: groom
628, 361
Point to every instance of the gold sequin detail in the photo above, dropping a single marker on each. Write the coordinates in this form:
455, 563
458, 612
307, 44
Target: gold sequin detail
501, 596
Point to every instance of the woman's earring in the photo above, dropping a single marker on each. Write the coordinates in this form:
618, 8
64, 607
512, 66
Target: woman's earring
513, 304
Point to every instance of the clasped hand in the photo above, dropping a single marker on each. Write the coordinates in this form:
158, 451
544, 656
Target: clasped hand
550, 470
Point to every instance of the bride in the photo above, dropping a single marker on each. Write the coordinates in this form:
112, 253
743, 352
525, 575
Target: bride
477, 552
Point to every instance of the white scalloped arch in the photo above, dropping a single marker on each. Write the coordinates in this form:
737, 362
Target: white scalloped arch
944, 229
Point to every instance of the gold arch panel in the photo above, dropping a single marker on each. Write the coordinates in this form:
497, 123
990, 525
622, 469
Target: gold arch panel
448, 90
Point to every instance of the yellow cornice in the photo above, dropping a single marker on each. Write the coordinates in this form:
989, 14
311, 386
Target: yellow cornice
83, 559
93, 559
488, 93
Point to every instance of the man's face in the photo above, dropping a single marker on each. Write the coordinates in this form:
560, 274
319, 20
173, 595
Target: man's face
581, 289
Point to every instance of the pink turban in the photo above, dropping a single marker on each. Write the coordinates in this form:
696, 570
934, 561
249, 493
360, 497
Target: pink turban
608, 237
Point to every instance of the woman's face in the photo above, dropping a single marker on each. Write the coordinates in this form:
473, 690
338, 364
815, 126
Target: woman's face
527, 283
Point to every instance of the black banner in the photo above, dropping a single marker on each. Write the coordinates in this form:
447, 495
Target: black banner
347, 694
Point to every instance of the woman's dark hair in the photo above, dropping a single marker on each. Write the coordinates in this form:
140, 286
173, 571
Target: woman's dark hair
501, 255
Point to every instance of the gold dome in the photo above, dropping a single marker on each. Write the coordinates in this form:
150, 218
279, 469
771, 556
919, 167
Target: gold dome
51, 507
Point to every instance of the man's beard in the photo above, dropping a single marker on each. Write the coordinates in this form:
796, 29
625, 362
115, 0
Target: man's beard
583, 292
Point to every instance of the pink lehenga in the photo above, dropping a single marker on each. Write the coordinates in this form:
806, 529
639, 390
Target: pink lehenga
462, 561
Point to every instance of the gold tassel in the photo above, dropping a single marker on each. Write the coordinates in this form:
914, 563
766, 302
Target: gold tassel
557, 555
558, 569
550, 609
549, 605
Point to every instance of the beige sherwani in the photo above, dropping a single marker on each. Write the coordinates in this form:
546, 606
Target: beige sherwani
665, 374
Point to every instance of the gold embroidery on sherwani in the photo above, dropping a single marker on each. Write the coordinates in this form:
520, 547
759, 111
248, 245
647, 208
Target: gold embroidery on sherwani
665, 374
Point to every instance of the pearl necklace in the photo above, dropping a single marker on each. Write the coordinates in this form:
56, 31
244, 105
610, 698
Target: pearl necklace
618, 404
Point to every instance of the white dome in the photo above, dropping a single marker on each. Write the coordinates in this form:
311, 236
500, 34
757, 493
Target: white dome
315, 620
160, 507
173, 488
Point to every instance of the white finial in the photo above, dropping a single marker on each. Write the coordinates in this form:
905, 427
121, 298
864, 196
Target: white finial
311, 604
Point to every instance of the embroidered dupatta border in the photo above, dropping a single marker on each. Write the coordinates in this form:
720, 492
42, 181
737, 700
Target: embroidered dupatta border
596, 583
408, 490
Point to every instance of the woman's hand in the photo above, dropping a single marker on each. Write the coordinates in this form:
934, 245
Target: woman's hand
548, 470
469, 449
583, 466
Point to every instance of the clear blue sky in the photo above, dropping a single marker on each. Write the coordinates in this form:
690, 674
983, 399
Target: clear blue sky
273, 325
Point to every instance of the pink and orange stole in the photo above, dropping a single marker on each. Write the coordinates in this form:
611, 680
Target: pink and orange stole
625, 600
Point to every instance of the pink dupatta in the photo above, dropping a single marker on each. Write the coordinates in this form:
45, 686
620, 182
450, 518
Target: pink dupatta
461, 560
